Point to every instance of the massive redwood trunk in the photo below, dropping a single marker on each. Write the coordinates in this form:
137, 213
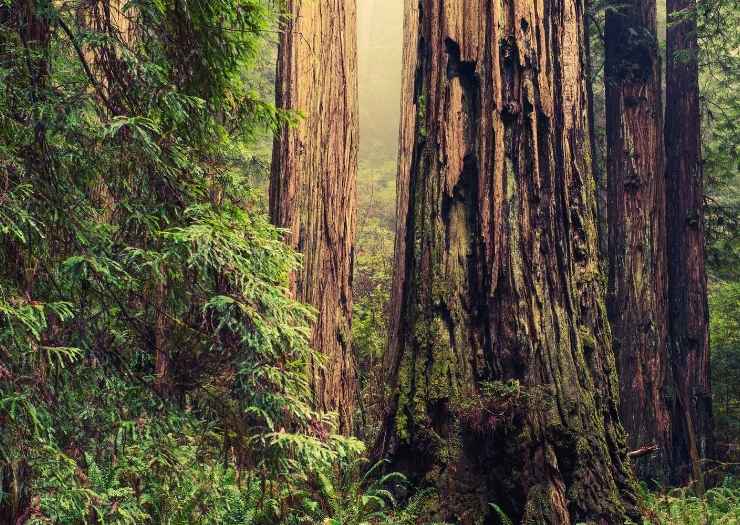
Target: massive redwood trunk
504, 385
314, 171
636, 211
687, 291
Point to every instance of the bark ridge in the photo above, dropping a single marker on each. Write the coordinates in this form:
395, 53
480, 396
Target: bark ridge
313, 183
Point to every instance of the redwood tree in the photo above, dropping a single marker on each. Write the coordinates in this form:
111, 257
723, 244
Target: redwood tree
636, 216
504, 387
687, 291
312, 188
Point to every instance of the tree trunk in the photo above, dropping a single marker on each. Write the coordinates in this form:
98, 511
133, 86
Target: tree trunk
687, 291
636, 210
599, 172
312, 188
504, 385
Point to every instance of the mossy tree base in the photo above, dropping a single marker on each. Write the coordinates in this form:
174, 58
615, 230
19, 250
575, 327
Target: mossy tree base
504, 386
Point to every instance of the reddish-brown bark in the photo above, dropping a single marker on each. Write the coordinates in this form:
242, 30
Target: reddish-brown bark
312, 188
636, 215
504, 387
687, 291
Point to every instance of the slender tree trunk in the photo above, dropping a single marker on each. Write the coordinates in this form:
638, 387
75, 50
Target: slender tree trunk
636, 210
687, 291
504, 386
596, 166
312, 189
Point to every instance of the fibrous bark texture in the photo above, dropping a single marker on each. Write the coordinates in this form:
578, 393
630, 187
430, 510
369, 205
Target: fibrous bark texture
687, 291
636, 214
313, 184
504, 385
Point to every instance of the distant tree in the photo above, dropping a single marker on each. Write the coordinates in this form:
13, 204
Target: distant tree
636, 215
687, 278
503, 384
313, 184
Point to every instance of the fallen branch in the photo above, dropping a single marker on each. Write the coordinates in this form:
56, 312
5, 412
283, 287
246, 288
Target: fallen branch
644, 451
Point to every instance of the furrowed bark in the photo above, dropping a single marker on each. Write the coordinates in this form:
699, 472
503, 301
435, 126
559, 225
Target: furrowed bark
504, 387
687, 291
636, 212
312, 188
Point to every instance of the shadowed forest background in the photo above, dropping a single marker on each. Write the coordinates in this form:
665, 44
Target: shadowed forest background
202, 320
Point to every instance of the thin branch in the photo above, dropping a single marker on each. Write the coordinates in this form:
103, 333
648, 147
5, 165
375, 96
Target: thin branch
85, 65
644, 451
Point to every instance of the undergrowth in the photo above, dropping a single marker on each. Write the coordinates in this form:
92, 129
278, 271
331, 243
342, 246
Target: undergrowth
681, 506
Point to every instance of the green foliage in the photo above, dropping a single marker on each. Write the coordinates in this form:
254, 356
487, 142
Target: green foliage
719, 84
158, 478
373, 274
719, 506
724, 303
351, 494
153, 361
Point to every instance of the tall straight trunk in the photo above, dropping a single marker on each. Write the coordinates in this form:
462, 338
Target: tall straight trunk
504, 385
313, 183
636, 212
687, 291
